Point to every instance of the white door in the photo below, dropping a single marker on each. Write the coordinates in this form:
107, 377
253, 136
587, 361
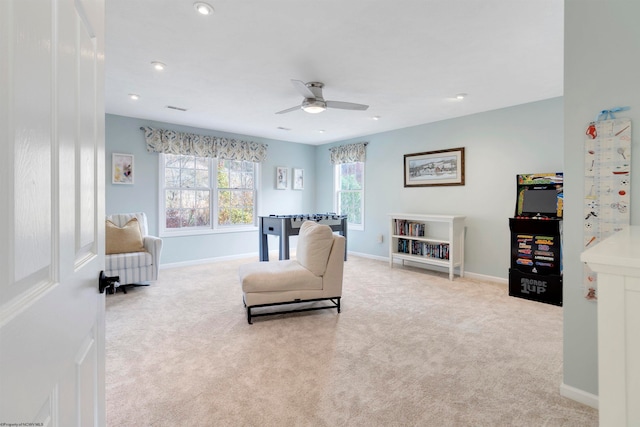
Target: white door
51, 212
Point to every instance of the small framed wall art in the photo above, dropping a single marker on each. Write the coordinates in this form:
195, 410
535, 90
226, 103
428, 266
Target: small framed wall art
282, 178
298, 179
442, 167
122, 168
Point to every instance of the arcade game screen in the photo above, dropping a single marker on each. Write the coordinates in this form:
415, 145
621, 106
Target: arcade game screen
540, 195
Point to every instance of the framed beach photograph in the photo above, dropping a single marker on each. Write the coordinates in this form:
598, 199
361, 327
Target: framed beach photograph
442, 167
282, 178
122, 168
298, 179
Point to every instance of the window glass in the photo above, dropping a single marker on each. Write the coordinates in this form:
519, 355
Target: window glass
192, 199
236, 193
349, 192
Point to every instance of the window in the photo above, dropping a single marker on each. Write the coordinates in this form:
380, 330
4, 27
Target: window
349, 193
201, 194
236, 192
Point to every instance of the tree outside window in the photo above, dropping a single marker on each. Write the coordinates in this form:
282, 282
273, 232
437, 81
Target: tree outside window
236, 192
349, 189
189, 201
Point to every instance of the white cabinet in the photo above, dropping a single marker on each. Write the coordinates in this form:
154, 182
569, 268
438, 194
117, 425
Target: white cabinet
427, 239
617, 261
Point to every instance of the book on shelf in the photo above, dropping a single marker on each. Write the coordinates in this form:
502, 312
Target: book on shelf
426, 249
404, 227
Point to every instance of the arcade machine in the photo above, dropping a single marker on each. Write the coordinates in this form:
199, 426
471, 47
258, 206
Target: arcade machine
536, 239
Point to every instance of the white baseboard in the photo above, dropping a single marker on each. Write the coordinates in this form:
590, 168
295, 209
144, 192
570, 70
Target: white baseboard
578, 395
478, 276
468, 274
206, 260
274, 255
362, 255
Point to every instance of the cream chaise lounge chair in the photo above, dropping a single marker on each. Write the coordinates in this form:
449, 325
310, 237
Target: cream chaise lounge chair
314, 275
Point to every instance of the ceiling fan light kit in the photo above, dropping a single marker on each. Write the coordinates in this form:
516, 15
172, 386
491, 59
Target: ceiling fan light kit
313, 106
314, 102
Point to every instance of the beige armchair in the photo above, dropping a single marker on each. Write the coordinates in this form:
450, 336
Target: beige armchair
131, 253
314, 275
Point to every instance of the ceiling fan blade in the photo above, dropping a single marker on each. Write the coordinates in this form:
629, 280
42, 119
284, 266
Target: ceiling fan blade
288, 110
346, 105
302, 88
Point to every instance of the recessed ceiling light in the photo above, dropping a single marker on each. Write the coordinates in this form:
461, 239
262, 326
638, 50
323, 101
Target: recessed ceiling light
134, 96
322, 131
203, 8
158, 65
461, 96
376, 117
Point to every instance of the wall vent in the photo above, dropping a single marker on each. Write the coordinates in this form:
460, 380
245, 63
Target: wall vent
171, 107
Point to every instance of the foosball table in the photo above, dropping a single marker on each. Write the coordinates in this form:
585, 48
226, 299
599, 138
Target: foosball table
289, 225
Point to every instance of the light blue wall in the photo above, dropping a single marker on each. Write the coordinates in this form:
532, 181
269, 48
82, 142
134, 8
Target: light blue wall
123, 135
602, 68
498, 145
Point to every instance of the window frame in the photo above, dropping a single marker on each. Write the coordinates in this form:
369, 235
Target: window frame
337, 191
214, 228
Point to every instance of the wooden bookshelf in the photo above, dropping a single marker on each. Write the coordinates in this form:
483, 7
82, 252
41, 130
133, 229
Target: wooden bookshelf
436, 240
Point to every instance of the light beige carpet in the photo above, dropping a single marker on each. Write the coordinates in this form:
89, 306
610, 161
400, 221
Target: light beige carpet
410, 348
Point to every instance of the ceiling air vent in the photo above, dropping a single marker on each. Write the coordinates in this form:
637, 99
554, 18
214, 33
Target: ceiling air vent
171, 107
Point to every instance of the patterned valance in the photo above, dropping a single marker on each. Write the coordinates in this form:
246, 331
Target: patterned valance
172, 142
348, 153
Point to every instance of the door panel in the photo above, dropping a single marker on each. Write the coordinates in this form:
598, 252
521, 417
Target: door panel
29, 262
87, 149
51, 212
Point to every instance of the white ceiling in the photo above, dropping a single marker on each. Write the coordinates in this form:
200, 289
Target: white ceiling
406, 59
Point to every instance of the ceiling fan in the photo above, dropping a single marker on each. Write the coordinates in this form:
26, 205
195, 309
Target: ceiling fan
314, 102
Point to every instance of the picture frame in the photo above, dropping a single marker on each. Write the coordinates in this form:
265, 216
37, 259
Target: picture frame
298, 179
122, 171
432, 168
282, 178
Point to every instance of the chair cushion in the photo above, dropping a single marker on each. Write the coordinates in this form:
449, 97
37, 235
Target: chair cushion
314, 245
128, 260
126, 239
285, 275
